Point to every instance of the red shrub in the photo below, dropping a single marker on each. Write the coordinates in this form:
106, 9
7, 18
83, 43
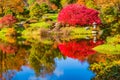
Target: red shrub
8, 20
75, 14
78, 50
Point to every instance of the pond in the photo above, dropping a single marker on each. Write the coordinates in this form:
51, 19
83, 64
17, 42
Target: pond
66, 60
60, 40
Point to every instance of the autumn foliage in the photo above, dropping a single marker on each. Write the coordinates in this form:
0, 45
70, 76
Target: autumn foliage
75, 14
81, 2
8, 49
78, 50
7, 20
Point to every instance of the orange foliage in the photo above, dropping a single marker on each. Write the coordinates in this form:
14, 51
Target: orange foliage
81, 2
101, 58
18, 60
54, 7
15, 5
11, 35
15, 61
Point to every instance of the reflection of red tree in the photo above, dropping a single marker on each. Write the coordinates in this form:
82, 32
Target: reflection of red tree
79, 50
8, 48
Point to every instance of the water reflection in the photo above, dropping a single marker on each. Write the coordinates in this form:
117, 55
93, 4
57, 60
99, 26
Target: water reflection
66, 69
26, 73
39, 61
78, 49
71, 69
12, 57
13, 61
43, 55
8, 48
65, 60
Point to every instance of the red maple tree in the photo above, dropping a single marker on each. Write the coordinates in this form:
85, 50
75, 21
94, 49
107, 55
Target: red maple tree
75, 14
7, 20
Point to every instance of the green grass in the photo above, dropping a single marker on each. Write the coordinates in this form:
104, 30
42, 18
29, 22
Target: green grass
108, 49
52, 16
40, 25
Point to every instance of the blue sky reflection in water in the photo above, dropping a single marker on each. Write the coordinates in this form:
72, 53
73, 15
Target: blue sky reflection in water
66, 69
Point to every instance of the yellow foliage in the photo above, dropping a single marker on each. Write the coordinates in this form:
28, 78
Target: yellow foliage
10, 35
102, 2
11, 39
11, 31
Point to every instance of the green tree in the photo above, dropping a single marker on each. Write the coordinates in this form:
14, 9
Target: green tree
37, 10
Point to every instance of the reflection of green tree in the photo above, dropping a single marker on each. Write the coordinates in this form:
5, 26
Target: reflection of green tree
108, 69
42, 58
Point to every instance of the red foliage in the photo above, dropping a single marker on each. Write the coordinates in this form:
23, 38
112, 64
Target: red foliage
78, 50
8, 20
8, 49
75, 14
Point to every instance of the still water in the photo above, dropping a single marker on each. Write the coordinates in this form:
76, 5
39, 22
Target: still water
69, 60
68, 69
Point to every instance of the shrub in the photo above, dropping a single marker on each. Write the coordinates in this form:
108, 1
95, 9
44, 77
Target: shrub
37, 10
74, 14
